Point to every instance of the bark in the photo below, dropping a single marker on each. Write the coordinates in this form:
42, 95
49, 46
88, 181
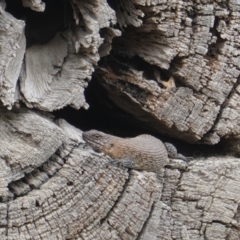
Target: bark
172, 65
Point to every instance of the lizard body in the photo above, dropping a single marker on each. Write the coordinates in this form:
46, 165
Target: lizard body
172, 153
143, 152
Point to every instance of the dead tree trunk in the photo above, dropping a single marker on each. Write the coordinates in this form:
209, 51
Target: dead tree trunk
172, 66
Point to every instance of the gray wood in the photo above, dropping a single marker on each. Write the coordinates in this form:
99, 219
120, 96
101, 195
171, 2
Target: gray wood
88, 198
23, 147
177, 36
12, 42
67, 60
36, 5
54, 186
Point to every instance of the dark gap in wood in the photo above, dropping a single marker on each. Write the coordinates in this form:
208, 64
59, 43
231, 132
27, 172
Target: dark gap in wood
214, 49
42, 26
137, 63
102, 114
113, 4
37, 203
70, 183
222, 223
106, 116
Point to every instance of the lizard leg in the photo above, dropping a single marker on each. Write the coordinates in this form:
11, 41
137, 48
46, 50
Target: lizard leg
125, 163
187, 159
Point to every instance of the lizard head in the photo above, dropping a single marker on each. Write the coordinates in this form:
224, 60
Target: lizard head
99, 141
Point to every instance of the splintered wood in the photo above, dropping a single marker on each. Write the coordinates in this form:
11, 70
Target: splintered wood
174, 65
196, 44
12, 49
55, 74
193, 43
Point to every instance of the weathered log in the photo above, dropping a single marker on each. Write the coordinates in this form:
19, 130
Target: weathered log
78, 194
195, 43
67, 59
174, 65
12, 41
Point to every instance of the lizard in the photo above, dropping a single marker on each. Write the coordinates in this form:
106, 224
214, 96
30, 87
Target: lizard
143, 152
172, 153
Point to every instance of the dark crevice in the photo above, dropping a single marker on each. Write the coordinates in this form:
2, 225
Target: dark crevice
8, 217
42, 26
113, 4
224, 4
70, 183
222, 223
104, 115
37, 203
175, 65
118, 63
191, 13
214, 49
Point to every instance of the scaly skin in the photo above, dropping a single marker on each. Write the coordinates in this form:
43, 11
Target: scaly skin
143, 152
172, 152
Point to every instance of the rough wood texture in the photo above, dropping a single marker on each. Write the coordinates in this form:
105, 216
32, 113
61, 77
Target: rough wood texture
12, 42
195, 44
174, 65
67, 59
82, 192
23, 147
78, 194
